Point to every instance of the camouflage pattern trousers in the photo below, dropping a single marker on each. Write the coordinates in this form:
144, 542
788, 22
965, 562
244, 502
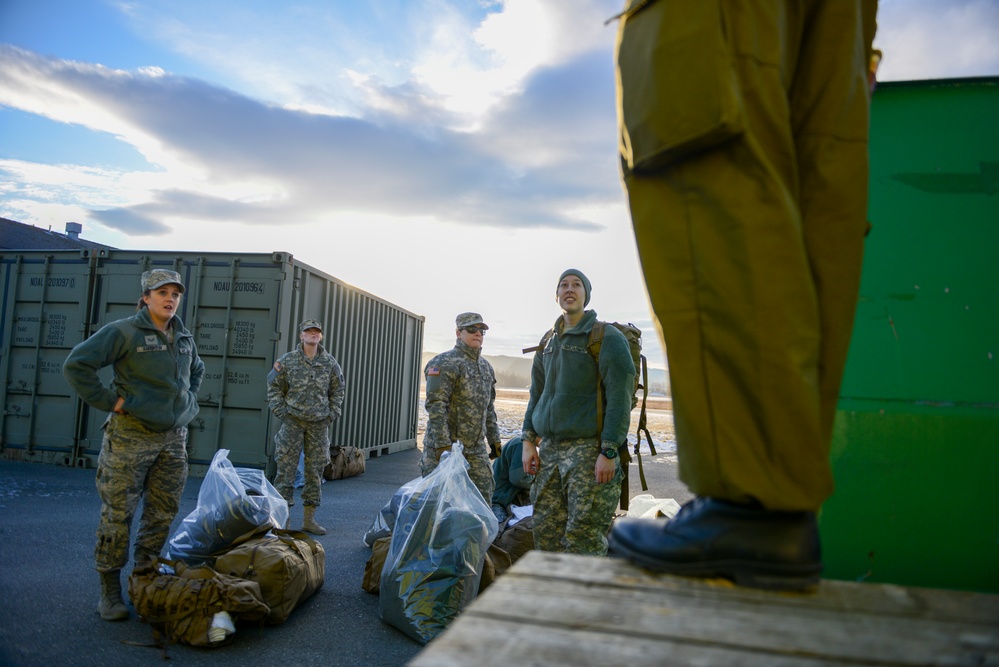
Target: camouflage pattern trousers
572, 512
479, 468
136, 463
288, 443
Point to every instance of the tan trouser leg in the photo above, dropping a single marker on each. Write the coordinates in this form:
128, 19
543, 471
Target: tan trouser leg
752, 254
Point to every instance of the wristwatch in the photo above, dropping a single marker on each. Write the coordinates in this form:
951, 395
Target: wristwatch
609, 452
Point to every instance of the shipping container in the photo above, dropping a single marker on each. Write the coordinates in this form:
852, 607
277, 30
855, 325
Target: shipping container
244, 311
915, 450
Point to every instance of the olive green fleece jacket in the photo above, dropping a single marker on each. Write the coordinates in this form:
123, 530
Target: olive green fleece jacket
158, 380
563, 403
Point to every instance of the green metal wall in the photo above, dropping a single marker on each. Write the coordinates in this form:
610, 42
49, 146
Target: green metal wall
244, 311
916, 442
44, 306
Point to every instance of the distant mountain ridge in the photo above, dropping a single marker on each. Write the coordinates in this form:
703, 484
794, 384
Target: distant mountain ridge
515, 372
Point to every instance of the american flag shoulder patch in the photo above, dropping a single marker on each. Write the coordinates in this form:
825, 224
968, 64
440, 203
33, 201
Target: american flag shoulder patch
433, 371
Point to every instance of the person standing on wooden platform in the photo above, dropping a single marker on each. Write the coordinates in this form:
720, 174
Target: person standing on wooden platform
744, 132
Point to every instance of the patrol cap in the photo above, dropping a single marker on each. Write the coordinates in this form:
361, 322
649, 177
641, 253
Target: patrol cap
159, 277
468, 319
310, 324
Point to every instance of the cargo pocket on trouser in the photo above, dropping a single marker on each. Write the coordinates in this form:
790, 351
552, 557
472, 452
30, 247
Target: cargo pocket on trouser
677, 90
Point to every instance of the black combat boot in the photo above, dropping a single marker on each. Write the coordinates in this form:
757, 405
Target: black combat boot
713, 538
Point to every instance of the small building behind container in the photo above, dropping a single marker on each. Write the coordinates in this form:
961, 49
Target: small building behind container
244, 311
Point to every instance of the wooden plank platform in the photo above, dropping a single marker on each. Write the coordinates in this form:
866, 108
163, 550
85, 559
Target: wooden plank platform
558, 609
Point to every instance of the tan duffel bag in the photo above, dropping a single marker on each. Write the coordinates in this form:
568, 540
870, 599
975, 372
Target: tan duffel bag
288, 564
345, 462
376, 562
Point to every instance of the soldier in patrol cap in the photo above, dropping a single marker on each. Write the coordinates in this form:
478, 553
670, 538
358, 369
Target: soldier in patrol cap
151, 400
461, 392
305, 391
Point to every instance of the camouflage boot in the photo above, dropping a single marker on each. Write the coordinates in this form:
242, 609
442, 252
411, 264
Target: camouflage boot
111, 607
310, 525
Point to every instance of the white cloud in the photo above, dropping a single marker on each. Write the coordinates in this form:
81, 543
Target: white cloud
506, 49
92, 96
217, 146
930, 39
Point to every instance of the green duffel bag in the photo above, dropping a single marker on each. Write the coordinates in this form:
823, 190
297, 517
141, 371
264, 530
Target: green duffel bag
288, 565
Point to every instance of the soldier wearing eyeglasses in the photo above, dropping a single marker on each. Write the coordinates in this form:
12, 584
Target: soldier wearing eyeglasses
461, 392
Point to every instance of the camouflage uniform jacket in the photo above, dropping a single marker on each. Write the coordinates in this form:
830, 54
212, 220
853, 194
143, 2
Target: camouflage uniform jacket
158, 379
563, 403
308, 390
461, 392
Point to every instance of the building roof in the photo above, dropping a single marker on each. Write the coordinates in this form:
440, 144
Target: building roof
19, 236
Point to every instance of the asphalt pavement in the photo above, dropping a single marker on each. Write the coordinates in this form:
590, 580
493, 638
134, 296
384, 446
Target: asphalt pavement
49, 588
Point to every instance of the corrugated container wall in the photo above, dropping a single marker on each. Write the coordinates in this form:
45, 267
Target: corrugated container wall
244, 310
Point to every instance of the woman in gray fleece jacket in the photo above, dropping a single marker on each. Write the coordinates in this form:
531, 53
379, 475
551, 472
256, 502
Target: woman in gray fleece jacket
151, 400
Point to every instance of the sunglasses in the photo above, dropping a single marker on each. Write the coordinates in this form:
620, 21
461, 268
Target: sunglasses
473, 330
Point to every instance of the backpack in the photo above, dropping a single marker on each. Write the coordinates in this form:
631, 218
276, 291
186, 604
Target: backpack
634, 337
181, 606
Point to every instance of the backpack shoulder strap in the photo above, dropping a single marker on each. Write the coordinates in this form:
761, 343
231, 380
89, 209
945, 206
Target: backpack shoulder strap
540, 346
593, 343
595, 339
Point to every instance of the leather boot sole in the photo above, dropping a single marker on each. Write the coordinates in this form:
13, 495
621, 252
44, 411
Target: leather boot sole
753, 574
114, 612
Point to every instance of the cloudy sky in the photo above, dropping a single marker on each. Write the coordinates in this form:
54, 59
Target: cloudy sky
446, 155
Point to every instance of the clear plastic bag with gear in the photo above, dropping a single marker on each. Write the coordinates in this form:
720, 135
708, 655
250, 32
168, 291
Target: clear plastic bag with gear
435, 561
232, 503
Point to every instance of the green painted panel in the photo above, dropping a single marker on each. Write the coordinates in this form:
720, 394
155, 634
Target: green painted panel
916, 444
928, 319
917, 497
